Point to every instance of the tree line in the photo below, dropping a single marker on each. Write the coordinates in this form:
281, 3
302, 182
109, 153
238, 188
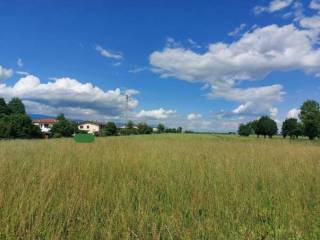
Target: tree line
15, 123
131, 128
308, 124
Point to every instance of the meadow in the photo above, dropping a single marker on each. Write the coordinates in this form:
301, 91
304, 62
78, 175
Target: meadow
170, 186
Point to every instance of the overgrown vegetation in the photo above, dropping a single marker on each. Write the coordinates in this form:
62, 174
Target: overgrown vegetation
160, 187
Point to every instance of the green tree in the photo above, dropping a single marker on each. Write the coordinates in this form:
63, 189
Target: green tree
63, 127
292, 128
253, 125
143, 128
130, 124
310, 117
16, 106
161, 128
18, 126
245, 130
266, 127
4, 109
179, 130
110, 129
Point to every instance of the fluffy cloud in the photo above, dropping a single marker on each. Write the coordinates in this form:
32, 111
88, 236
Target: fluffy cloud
108, 54
310, 22
194, 116
315, 4
5, 73
69, 96
293, 113
257, 53
275, 5
252, 57
155, 114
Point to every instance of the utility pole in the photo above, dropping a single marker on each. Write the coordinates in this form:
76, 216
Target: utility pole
127, 109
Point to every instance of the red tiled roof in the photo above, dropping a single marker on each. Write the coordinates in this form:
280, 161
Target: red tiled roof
46, 120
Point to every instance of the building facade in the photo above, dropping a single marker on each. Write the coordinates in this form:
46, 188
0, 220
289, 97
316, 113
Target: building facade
45, 124
91, 127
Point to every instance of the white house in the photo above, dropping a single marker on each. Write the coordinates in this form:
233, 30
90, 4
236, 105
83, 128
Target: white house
91, 127
45, 124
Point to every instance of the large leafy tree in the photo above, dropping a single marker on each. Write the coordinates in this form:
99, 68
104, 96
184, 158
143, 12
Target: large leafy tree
4, 109
64, 127
292, 128
16, 106
18, 126
14, 122
254, 125
161, 128
110, 129
130, 124
310, 117
245, 130
266, 127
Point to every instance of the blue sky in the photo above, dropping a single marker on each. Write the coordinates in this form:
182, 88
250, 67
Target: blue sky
202, 65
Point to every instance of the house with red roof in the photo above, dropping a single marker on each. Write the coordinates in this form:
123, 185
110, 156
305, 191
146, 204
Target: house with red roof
45, 124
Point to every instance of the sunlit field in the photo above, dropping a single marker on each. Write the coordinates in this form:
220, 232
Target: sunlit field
160, 187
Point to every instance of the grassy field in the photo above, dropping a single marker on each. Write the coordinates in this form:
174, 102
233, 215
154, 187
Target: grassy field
160, 187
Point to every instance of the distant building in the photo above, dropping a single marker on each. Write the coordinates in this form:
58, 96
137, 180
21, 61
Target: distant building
91, 127
45, 124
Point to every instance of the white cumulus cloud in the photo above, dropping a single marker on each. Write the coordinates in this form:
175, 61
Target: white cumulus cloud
70, 96
275, 5
160, 113
315, 4
255, 55
194, 116
5, 73
293, 113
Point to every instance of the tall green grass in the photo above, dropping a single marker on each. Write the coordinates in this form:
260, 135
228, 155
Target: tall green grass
160, 187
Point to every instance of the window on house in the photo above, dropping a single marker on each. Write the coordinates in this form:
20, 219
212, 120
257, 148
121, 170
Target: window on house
81, 127
88, 126
46, 125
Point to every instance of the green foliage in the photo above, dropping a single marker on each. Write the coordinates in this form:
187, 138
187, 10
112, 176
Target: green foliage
266, 127
179, 130
130, 124
161, 128
14, 122
310, 117
18, 126
63, 127
4, 109
292, 128
245, 130
16, 106
171, 130
110, 129
254, 125
143, 128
